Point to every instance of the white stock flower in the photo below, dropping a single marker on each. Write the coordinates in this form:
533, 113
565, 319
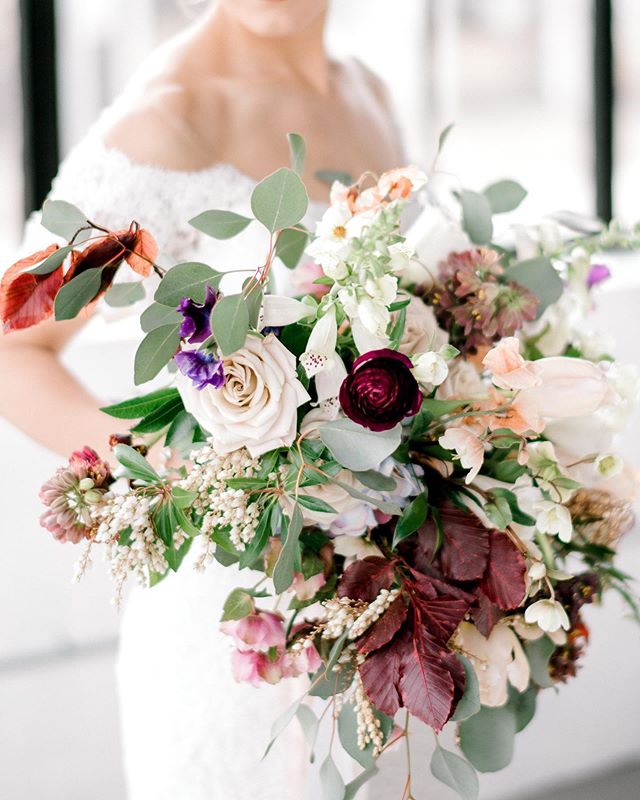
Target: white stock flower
548, 614
554, 519
430, 369
257, 406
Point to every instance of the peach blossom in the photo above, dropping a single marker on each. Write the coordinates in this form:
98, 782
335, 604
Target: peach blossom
468, 447
508, 368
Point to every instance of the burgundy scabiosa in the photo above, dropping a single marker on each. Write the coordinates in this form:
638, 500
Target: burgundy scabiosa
201, 367
70, 494
196, 317
380, 391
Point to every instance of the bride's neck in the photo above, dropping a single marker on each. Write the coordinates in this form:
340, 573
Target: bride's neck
300, 58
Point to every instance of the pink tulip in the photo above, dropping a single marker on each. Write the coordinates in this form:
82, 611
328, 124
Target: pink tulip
508, 368
569, 387
258, 632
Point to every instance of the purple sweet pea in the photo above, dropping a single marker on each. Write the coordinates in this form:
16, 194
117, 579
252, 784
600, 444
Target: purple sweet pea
203, 368
380, 391
196, 325
597, 274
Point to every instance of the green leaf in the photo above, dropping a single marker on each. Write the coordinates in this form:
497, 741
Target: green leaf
141, 406
315, 504
290, 246
469, 703
51, 263
78, 293
176, 557
238, 605
230, 323
181, 432
165, 522
186, 280
220, 224
356, 784
523, 705
439, 408
538, 653
333, 787
499, 513
160, 418
329, 176
348, 733
504, 196
157, 315
412, 518
183, 498
540, 277
125, 294
519, 517
442, 139
487, 738
298, 150
155, 351
476, 217
358, 448
280, 201
336, 651
284, 569
253, 300
455, 772
384, 505
376, 481
62, 218
310, 725
281, 724
136, 465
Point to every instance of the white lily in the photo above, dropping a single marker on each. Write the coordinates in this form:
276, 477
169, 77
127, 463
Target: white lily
278, 310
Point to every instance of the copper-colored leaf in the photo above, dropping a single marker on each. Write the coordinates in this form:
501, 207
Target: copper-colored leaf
382, 631
25, 298
465, 548
143, 253
364, 579
504, 578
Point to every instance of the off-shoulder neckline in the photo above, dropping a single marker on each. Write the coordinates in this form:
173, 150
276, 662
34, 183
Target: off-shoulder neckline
223, 168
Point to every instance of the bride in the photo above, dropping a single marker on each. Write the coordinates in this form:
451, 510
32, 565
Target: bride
205, 118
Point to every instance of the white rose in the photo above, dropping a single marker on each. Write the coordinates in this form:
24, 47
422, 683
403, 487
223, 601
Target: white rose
257, 406
463, 383
421, 331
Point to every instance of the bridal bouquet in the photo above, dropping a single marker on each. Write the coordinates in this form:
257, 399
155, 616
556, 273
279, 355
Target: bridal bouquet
416, 455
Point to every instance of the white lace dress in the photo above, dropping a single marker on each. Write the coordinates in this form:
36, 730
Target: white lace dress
190, 732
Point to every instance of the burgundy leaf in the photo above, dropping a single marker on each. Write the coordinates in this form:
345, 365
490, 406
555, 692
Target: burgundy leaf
380, 674
504, 579
465, 549
486, 614
364, 579
26, 298
383, 631
430, 583
442, 616
456, 668
427, 687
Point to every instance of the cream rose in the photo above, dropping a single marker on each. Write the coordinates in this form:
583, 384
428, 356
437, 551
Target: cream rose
257, 406
421, 331
463, 383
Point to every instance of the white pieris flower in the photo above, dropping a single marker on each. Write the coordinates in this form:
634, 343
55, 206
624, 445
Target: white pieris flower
321, 353
608, 466
430, 369
548, 614
278, 311
555, 519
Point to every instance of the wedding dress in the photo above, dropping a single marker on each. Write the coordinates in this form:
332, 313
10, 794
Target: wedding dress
190, 731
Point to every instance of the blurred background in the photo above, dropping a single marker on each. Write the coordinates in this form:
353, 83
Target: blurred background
543, 91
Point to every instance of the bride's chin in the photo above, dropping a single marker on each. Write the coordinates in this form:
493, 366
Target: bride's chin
275, 18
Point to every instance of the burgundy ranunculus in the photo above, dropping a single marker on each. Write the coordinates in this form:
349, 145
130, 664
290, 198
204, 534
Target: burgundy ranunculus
196, 325
380, 391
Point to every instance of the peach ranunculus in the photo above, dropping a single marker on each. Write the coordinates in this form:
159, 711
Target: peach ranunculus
469, 448
508, 368
568, 387
421, 330
257, 406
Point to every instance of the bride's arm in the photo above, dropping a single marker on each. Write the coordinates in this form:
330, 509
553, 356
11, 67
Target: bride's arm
40, 397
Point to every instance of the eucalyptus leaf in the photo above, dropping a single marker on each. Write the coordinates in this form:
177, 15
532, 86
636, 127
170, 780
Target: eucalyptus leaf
238, 605
290, 246
253, 300
356, 784
540, 277
384, 505
504, 196
469, 703
357, 448
220, 224
78, 293
330, 176
487, 738
135, 464
284, 569
298, 150
315, 504
155, 351
51, 263
230, 323
157, 315
62, 218
376, 481
280, 200
186, 280
281, 724
523, 705
455, 772
121, 295
538, 653
333, 787
310, 725
476, 216
139, 407
348, 733
442, 139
